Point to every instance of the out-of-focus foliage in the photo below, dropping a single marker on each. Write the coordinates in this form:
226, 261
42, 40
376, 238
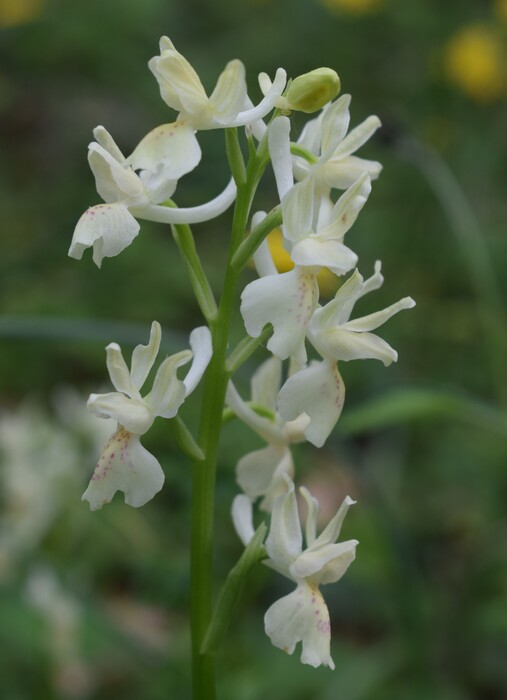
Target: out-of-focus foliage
94, 605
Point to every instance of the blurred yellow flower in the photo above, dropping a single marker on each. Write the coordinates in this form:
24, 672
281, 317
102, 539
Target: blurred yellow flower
328, 282
475, 61
13, 12
356, 7
500, 10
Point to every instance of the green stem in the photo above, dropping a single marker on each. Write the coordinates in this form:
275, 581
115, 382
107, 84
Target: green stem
245, 348
256, 236
204, 472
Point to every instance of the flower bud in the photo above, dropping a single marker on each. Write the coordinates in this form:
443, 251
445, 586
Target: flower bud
311, 91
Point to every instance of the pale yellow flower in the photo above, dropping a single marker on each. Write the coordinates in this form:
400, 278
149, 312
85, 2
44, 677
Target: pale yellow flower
500, 10
356, 7
475, 61
328, 282
13, 12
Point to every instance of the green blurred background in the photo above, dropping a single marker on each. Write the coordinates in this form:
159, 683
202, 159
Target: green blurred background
94, 605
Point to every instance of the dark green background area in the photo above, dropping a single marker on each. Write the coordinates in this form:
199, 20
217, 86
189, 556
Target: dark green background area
422, 613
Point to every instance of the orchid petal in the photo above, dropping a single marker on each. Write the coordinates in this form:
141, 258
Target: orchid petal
144, 356
266, 382
346, 345
335, 123
287, 301
266, 105
301, 616
347, 208
317, 391
265, 428
326, 564
118, 371
342, 173
134, 414
125, 465
297, 208
104, 139
228, 97
279, 150
332, 531
261, 473
313, 509
168, 391
284, 541
316, 250
357, 137
374, 320
114, 181
108, 228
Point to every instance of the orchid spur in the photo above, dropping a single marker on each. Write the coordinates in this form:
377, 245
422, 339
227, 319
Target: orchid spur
300, 616
125, 465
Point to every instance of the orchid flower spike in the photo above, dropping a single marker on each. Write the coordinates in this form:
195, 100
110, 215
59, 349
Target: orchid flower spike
301, 616
261, 473
125, 465
330, 149
318, 389
229, 105
109, 228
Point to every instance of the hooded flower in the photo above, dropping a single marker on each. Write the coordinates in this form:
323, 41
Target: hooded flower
318, 390
125, 465
301, 616
228, 106
109, 228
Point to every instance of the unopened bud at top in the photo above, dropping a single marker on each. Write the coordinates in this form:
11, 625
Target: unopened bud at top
311, 91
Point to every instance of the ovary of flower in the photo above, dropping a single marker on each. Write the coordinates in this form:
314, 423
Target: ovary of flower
330, 148
318, 390
109, 228
229, 105
301, 616
125, 465
261, 473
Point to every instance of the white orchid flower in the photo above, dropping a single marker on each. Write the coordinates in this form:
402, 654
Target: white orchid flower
327, 140
318, 389
301, 616
260, 473
125, 465
109, 228
229, 105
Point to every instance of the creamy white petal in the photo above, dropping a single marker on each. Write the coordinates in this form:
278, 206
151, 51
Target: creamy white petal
104, 139
125, 465
266, 382
168, 391
287, 301
263, 260
228, 97
317, 391
114, 181
265, 106
144, 356
261, 473
298, 208
119, 372
341, 173
337, 311
301, 616
134, 414
374, 320
200, 343
242, 518
313, 509
347, 208
357, 137
284, 542
326, 564
279, 150
189, 215
108, 228
166, 154
316, 250
335, 123
311, 135
180, 86
332, 531
348, 345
